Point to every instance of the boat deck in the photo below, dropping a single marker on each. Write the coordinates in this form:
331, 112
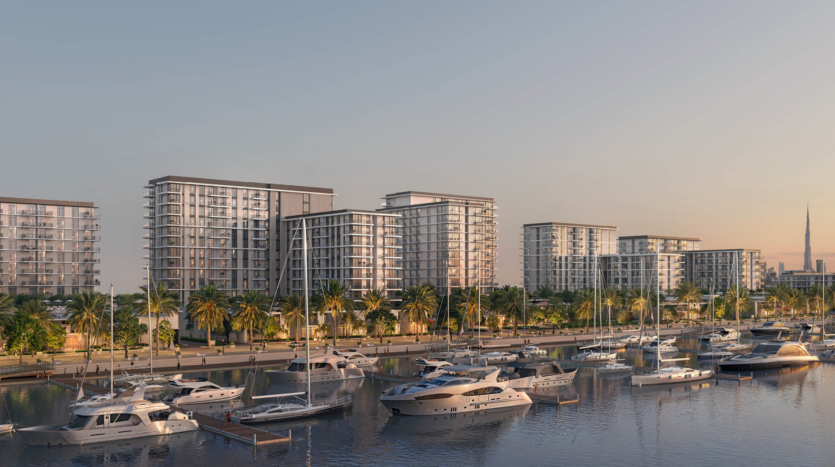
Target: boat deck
243, 433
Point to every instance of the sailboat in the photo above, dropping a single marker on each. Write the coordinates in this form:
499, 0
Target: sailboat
739, 346
296, 407
591, 355
714, 338
673, 374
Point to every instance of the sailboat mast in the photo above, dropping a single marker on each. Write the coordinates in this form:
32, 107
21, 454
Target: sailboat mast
478, 292
658, 300
448, 297
111, 343
823, 295
736, 271
306, 306
150, 341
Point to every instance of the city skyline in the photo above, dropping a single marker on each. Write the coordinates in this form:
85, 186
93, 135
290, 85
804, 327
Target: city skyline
706, 121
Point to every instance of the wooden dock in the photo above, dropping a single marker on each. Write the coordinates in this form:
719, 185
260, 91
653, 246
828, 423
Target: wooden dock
236, 431
738, 377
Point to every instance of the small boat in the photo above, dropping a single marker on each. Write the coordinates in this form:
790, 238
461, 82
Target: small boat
594, 356
453, 356
330, 368
289, 410
499, 357
664, 346
714, 355
7, 427
738, 347
807, 328
615, 368
768, 355
721, 335
669, 375
771, 328
358, 359
200, 392
528, 373
634, 339
612, 344
130, 418
534, 351
430, 369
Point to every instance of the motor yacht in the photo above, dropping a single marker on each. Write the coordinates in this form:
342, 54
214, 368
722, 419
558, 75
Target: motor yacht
714, 354
664, 346
634, 339
612, 344
534, 352
453, 355
769, 355
807, 328
771, 328
592, 356
293, 409
323, 368
721, 335
668, 375
132, 418
528, 373
430, 369
353, 356
94, 400
615, 368
199, 392
497, 357
465, 388
137, 379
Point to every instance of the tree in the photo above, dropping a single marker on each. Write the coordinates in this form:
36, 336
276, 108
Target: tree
271, 329
163, 303
641, 301
22, 333
567, 296
56, 337
511, 304
687, 293
292, 308
418, 303
375, 299
166, 333
470, 308
584, 306
612, 299
773, 298
86, 312
623, 317
249, 311
333, 297
556, 313
323, 330
6, 309
38, 312
796, 300
126, 328
740, 294
544, 292
208, 307
493, 322
380, 319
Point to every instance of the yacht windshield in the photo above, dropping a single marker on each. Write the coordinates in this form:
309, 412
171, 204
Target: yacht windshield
296, 367
768, 349
79, 421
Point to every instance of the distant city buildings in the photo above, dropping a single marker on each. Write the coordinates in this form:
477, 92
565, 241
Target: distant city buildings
807, 254
561, 255
722, 269
48, 247
804, 280
449, 241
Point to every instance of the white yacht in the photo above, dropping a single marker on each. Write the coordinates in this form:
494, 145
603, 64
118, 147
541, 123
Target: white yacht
592, 356
612, 344
771, 328
132, 418
634, 339
615, 368
496, 357
430, 369
534, 351
768, 355
353, 356
465, 388
664, 346
94, 400
669, 375
453, 355
721, 335
199, 392
526, 373
327, 368
284, 410
137, 379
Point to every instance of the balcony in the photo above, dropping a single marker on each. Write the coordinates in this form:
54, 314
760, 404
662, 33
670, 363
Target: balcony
90, 215
92, 283
88, 260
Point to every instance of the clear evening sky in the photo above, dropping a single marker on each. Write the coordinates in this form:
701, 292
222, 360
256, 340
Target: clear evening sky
703, 119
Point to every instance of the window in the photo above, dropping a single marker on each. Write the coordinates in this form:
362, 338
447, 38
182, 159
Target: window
306, 203
119, 417
79, 422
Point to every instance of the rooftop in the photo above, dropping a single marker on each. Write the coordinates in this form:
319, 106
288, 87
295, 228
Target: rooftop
663, 237
340, 211
563, 224
439, 195
48, 202
267, 186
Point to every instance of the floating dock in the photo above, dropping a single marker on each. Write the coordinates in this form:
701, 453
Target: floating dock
236, 431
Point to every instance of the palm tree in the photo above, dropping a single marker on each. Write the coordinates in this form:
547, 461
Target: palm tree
543, 291
6, 308
292, 308
796, 300
511, 303
612, 299
773, 298
584, 305
738, 295
163, 303
38, 312
208, 307
418, 303
249, 311
815, 298
333, 297
470, 307
555, 312
86, 312
687, 293
374, 299
641, 301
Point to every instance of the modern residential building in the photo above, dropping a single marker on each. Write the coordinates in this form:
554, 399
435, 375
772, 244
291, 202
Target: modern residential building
561, 255
804, 280
638, 244
48, 247
226, 233
639, 270
449, 241
362, 249
718, 268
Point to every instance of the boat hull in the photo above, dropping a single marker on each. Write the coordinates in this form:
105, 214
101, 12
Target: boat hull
300, 377
654, 379
50, 435
213, 396
271, 418
402, 405
544, 381
731, 365
769, 332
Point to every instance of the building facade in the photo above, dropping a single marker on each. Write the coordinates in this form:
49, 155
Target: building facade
804, 280
638, 244
641, 270
561, 256
449, 241
204, 231
362, 249
718, 268
48, 247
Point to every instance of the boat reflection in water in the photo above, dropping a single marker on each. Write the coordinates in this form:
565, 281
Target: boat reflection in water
672, 387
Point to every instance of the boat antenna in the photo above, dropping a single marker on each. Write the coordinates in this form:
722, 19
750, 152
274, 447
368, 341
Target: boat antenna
111, 343
306, 306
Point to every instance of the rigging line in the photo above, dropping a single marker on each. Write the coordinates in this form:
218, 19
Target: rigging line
89, 359
280, 276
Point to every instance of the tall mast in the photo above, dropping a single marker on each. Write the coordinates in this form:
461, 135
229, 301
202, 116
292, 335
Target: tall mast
306, 306
111, 343
150, 341
736, 271
478, 292
658, 300
448, 297
823, 296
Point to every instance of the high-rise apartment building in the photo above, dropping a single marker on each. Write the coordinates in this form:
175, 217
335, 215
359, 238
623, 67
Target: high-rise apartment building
634, 265
637, 244
362, 249
48, 247
721, 269
204, 231
448, 240
561, 256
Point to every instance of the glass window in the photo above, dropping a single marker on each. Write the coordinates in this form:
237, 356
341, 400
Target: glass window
79, 421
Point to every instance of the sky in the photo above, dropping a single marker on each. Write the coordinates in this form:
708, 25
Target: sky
700, 119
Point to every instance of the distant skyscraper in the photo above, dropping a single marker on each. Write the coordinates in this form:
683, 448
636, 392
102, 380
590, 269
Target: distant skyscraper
807, 255
781, 269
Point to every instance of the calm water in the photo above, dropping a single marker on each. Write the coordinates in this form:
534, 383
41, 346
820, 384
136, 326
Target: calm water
777, 419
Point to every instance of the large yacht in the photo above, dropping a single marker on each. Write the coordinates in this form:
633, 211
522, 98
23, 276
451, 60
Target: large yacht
465, 388
669, 375
771, 328
353, 356
129, 418
664, 346
527, 373
328, 368
769, 355
198, 392
453, 355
